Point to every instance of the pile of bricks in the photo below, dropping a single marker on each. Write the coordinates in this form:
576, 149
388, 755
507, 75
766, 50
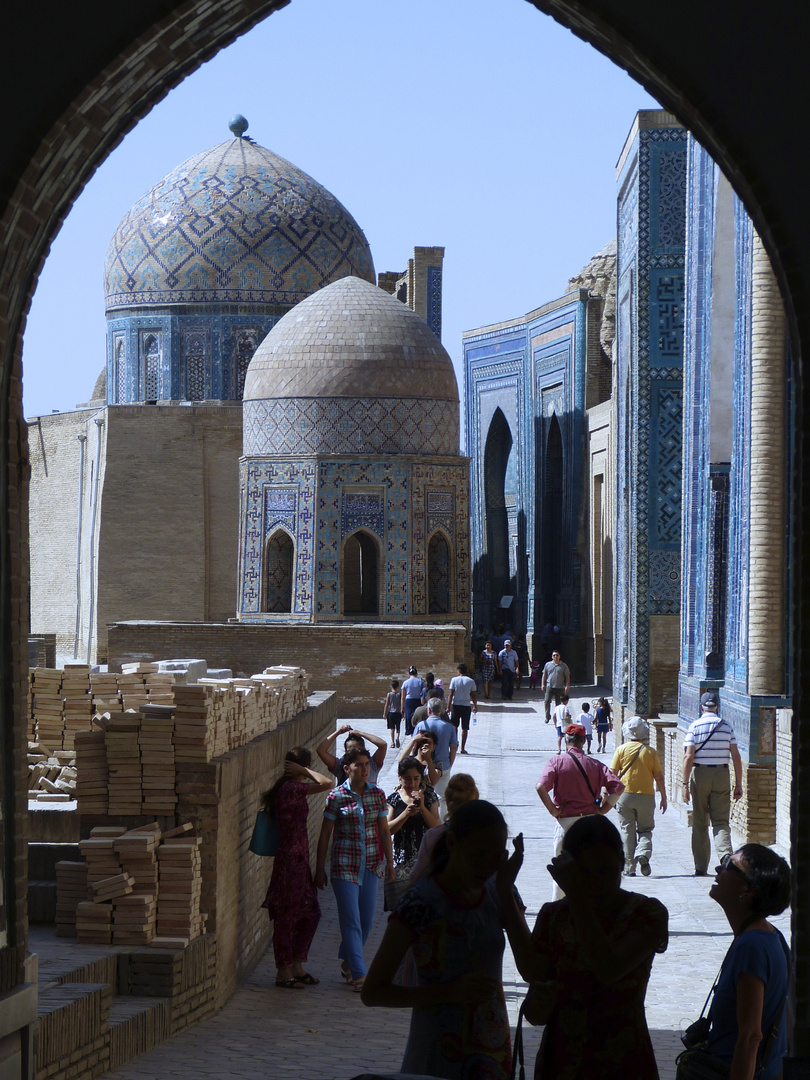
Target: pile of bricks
92, 774
51, 773
47, 722
135, 887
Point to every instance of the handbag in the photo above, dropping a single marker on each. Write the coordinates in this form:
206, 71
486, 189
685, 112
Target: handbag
518, 1071
266, 835
698, 1064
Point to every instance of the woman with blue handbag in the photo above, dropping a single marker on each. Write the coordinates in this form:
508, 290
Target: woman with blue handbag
292, 899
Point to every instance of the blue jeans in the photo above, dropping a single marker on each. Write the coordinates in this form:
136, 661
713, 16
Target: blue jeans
356, 905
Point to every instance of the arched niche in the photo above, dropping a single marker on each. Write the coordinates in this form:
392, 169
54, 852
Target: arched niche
439, 575
551, 506
360, 574
499, 480
279, 561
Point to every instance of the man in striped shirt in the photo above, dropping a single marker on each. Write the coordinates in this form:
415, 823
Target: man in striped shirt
709, 743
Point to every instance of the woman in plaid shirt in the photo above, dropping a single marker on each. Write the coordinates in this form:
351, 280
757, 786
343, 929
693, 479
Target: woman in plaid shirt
355, 818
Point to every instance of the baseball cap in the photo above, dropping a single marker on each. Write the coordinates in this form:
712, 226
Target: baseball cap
575, 729
711, 697
508, 641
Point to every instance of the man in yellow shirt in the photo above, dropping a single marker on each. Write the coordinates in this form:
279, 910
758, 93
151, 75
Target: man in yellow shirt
638, 767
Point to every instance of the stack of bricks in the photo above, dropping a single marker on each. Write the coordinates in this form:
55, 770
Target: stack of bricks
104, 692
193, 735
92, 775
94, 923
78, 704
94, 917
124, 791
156, 747
71, 890
179, 919
46, 705
131, 687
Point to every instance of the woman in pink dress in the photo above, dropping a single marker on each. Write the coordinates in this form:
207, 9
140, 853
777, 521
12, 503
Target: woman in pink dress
292, 899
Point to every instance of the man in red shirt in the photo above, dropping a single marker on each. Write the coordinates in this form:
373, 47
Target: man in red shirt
581, 785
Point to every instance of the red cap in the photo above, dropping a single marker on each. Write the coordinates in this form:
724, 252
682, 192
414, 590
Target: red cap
575, 729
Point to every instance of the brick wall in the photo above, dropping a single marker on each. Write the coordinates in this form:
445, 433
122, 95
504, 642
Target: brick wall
665, 653
357, 661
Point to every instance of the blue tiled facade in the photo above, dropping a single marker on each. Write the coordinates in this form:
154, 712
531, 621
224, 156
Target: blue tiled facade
649, 408
717, 508
403, 502
524, 398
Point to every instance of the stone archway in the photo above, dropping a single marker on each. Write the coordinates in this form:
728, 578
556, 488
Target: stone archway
740, 87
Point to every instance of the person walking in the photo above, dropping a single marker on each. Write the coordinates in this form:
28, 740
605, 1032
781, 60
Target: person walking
556, 682
581, 787
413, 690
638, 767
355, 819
392, 712
462, 702
446, 741
707, 747
562, 718
489, 661
507, 666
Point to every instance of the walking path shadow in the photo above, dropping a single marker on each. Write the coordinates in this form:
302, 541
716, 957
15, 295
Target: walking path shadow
325, 1033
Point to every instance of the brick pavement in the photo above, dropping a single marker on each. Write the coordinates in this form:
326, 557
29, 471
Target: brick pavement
325, 1033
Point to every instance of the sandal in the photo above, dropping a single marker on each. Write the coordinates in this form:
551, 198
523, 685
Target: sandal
357, 985
307, 979
290, 984
345, 972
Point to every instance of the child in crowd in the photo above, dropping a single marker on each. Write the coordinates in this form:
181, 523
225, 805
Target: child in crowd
392, 712
602, 725
562, 718
586, 720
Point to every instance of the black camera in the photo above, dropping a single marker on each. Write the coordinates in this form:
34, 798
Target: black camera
696, 1034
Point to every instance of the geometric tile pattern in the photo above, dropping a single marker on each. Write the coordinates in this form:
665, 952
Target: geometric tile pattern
350, 426
278, 571
438, 561
649, 343
363, 510
273, 494
434, 300
238, 224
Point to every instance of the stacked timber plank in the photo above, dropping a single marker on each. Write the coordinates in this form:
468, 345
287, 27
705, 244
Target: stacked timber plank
156, 747
77, 702
104, 692
135, 915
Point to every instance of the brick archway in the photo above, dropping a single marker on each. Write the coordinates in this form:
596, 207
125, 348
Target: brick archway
75, 87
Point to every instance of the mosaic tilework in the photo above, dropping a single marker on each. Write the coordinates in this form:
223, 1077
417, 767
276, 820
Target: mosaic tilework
651, 214
363, 510
434, 300
427, 478
350, 426
268, 489
438, 570
234, 223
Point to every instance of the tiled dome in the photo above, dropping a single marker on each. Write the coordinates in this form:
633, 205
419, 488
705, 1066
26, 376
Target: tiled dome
234, 224
351, 369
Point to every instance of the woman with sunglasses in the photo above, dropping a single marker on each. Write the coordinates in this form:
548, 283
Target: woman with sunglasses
748, 1025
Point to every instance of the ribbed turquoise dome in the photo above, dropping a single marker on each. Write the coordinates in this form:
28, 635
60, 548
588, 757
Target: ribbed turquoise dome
234, 224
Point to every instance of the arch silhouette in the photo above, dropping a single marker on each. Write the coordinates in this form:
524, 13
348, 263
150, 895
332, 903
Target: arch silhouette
88, 90
553, 489
278, 575
498, 451
360, 574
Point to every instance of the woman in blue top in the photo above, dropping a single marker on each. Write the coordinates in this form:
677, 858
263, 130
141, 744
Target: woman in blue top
749, 1000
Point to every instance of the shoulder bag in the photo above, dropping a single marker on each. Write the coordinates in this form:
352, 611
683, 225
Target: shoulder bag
596, 798
266, 835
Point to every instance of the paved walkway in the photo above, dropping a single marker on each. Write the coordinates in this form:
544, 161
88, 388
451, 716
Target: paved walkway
325, 1033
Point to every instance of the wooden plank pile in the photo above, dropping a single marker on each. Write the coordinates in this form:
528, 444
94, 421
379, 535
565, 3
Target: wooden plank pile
193, 730
104, 692
179, 919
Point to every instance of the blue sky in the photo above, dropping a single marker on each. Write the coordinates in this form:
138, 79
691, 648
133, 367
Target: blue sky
479, 125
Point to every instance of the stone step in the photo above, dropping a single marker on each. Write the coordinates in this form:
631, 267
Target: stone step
136, 1026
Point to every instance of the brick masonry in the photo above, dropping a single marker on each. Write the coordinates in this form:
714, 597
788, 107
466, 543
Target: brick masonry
357, 661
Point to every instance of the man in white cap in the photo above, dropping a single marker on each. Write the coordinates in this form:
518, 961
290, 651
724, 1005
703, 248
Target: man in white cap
638, 767
507, 666
709, 743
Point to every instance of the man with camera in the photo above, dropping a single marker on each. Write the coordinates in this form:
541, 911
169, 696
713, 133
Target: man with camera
582, 785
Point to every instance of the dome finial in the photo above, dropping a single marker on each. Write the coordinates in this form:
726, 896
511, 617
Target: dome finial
238, 125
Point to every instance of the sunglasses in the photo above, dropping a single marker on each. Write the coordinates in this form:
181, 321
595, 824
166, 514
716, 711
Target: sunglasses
727, 864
